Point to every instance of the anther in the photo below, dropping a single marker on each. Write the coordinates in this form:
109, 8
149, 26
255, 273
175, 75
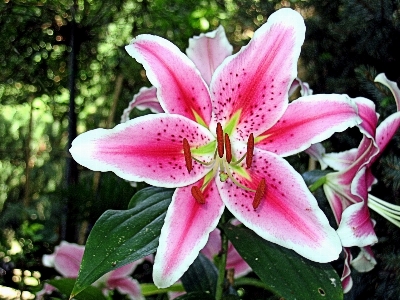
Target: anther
198, 195
228, 148
188, 155
259, 194
250, 149
220, 140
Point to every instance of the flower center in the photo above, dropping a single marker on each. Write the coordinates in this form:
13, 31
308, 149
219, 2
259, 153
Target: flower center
221, 163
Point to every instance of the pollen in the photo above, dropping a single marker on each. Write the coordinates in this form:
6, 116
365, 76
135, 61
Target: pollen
198, 195
228, 149
220, 140
188, 155
250, 149
259, 193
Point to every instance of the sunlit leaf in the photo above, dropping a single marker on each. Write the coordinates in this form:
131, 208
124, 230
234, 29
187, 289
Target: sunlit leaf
123, 236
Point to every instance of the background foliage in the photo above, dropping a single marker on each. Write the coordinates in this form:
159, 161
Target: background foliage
347, 43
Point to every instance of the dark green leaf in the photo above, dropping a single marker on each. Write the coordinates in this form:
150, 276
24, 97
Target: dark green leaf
286, 273
196, 296
123, 236
65, 286
202, 275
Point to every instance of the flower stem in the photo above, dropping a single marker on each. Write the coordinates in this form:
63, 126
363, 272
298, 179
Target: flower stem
317, 184
222, 263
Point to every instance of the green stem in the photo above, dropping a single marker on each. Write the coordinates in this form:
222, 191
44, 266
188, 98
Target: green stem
317, 184
222, 263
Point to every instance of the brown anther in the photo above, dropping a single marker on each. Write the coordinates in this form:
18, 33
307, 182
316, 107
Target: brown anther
259, 194
250, 149
220, 140
198, 195
228, 148
188, 155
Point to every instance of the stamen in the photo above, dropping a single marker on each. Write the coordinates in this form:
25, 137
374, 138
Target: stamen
198, 195
188, 155
220, 140
250, 149
228, 148
259, 194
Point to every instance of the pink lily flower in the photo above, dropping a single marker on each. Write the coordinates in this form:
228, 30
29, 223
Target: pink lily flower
222, 145
67, 258
347, 190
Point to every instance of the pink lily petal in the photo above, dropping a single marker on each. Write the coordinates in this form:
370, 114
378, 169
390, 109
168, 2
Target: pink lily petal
317, 152
180, 87
337, 202
213, 246
347, 281
208, 50
236, 262
185, 232
356, 227
255, 81
342, 160
381, 78
68, 258
307, 121
304, 88
148, 148
124, 271
288, 214
47, 290
366, 110
385, 132
146, 98
126, 286
365, 261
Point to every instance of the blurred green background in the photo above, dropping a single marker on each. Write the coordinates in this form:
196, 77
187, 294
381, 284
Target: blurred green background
64, 70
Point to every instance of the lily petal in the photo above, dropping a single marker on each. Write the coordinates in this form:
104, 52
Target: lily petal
68, 258
366, 110
124, 271
146, 98
342, 160
317, 152
347, 281
126, 286
385, 132
147, 149
381, 78
208, 50
365, 261
254, 83
356, 227
307, 121
287, 215
180, 87
185, 234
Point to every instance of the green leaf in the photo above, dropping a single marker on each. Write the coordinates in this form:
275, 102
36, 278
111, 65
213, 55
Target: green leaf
196, 296
286, 273
65, 286
202, 275
120, 237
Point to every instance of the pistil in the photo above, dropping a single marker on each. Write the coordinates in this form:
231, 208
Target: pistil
222, 162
